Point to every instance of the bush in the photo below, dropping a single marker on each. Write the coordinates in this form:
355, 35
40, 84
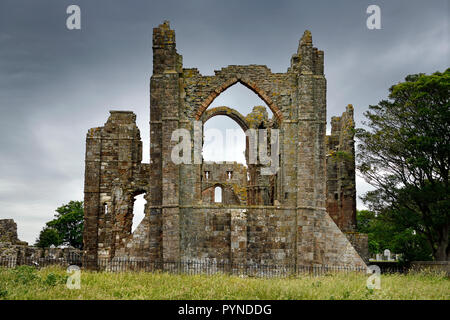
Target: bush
3, 293
24, 274
51, 280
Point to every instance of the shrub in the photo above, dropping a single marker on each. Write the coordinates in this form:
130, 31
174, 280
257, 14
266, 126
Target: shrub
51, 279
3, 293
24, 274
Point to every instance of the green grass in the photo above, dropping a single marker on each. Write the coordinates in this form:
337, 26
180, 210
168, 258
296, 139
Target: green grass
50, 283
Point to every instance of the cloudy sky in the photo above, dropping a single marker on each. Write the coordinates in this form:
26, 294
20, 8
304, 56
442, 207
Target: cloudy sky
57, 83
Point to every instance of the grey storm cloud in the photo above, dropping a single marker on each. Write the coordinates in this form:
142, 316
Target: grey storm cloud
57, 83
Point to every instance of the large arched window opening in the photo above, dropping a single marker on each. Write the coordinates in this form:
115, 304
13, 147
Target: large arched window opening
224, 140
237, 84
239, 98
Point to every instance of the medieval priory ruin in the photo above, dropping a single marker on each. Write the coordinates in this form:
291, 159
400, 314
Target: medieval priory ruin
304, 214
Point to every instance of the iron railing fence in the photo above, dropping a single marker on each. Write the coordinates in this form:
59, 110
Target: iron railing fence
192, 267
390, 267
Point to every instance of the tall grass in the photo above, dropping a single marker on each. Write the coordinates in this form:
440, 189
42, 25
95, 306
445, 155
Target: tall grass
50, 283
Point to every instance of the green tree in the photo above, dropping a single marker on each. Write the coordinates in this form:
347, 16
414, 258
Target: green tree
383, 234
404, 153
65, 228
47, 237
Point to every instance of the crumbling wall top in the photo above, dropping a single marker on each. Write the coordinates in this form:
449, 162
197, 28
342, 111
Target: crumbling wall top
8, 232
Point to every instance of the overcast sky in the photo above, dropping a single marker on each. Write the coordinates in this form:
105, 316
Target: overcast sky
57, 83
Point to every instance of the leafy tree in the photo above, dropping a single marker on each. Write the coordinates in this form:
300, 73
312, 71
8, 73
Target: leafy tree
65, 228
47, 237
404, 153
386, 235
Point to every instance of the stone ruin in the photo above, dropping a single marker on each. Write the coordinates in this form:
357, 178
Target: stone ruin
304, 214
14, 251
8, 233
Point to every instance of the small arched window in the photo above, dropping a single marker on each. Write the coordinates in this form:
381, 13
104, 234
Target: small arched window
218, 194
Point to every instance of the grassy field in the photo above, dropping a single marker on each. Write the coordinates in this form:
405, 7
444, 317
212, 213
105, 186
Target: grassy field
50, 283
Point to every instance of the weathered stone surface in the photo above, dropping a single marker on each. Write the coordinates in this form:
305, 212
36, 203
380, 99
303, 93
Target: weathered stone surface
12, 250
8, 232
341, 184
341, 190
360, 242
19, 252
114, 176
231, 177
270, 219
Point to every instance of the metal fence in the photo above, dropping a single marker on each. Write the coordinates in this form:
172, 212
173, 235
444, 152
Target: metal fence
207, 267
212, 267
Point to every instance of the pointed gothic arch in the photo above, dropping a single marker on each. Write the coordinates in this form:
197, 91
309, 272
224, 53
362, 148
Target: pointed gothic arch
247, 83
228, 112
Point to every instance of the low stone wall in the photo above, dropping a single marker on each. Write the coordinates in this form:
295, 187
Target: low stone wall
431, 266
10, 251
13, 250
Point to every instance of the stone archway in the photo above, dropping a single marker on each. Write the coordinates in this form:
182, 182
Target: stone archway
247, 83
226, 111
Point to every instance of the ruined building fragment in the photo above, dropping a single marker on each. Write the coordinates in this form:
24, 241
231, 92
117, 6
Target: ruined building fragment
264, 219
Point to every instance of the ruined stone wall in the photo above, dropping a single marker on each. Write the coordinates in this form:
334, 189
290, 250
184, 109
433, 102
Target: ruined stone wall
8, 232
341, 185
264, 235
261, 188
271, 236
13, 250
283, 222
114, 175
360, 242
205, 233
238, 235
230, 176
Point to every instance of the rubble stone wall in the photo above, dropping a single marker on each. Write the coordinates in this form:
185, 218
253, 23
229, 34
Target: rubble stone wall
13, 250
8, 232
360, 242
341, 184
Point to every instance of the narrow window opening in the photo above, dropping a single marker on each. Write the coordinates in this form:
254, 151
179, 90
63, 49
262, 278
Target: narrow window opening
218, 194
138, 211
